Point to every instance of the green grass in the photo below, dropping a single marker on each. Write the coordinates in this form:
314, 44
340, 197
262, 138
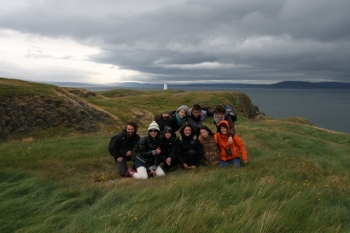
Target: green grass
10, 88
296, 179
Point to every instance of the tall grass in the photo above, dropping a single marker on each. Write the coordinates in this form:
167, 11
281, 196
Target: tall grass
296, 180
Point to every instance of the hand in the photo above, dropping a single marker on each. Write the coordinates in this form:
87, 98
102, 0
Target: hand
186, 166
165, 115
158, 151
245, 161
168, 161
200, 137
119, 159
192, 167
128, 153
153, 173
230, 140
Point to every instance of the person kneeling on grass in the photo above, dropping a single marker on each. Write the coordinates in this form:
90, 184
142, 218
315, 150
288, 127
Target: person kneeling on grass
167, 146
188, 149
229, 153
210, 147
121, 146
147, 154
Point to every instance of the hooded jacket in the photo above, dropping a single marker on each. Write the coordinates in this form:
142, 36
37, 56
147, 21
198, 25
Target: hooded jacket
236, 148
167, 145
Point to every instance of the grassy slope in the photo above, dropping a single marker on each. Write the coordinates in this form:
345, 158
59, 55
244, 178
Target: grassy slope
296, 180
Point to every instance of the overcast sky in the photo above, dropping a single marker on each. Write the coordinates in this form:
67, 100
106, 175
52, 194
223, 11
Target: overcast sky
241, 41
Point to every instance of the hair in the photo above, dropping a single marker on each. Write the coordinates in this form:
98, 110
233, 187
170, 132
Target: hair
182, 129
220, 109
196, 107
133, 124
207, 129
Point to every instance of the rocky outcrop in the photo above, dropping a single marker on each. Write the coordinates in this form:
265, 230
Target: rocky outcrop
245, 107
22, 115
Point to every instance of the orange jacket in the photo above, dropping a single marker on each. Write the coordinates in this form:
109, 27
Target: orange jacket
236, 148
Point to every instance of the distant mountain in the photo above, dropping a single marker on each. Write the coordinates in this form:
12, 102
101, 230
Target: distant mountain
308, 85
280, 85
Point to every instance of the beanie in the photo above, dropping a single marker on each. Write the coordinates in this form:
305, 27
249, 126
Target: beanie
183, 107
167, 129
153, 125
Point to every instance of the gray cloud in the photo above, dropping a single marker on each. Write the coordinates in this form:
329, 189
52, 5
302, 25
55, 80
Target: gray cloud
271, 40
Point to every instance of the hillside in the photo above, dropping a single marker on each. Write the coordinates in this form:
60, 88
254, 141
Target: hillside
31, 109
62, 179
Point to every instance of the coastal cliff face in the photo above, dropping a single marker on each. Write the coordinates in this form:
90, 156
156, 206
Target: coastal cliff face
25, 114
28, 110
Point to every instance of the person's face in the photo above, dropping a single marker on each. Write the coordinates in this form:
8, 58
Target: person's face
187, 131
204, 133
153, 132
223, 130
182, 113
130, 129
219, 116
196, 113
167, 134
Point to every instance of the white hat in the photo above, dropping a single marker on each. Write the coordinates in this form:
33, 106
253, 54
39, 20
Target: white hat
153, 125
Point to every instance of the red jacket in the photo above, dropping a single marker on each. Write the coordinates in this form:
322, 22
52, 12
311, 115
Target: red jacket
236, 148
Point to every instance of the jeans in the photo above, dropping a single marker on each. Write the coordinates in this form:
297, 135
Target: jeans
122, 166
235, 162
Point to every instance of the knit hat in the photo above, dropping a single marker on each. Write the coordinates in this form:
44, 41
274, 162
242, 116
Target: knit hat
153, 125
167, 129
183, 107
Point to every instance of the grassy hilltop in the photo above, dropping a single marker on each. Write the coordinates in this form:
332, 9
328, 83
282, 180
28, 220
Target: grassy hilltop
60, 178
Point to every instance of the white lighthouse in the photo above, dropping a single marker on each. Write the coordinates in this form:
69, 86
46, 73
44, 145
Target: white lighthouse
165, 86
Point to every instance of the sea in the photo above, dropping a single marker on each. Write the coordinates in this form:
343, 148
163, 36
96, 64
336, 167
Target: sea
326, 108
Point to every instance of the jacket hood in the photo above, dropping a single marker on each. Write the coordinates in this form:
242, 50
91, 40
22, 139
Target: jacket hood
167, 129
225, 124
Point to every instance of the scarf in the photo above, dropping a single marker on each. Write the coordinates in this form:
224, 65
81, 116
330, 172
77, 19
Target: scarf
180, 121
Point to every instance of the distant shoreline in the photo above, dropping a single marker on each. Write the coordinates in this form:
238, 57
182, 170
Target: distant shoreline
196, 86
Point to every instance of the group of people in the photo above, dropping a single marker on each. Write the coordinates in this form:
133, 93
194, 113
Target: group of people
161, 150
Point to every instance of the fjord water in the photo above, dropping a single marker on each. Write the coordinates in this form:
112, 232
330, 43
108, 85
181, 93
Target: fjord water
327, 108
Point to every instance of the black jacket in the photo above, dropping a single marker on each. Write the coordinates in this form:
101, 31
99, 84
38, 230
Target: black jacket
145, 150
172, 122
184, 144
167, 146
121, 143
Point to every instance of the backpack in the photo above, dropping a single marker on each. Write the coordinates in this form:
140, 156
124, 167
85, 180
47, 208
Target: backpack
231, 112
113, 143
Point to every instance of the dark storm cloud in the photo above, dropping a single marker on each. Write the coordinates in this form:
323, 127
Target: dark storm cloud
201, 40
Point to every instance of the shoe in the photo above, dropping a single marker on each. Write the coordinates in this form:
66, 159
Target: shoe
130, 172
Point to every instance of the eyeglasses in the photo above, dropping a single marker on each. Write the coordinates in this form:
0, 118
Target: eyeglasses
153, 131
